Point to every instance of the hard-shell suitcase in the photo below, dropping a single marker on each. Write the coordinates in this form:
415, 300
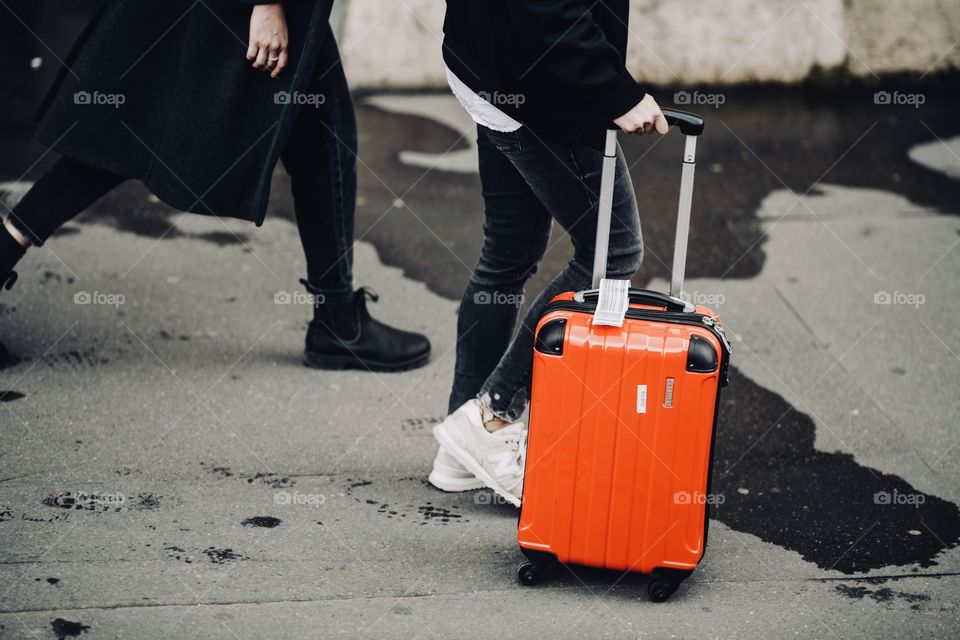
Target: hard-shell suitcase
622, 419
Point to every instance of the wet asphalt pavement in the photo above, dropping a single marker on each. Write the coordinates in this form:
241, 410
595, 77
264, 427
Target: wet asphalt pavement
289, 502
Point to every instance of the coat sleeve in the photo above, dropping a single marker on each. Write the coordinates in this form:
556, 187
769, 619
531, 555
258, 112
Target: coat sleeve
569, 48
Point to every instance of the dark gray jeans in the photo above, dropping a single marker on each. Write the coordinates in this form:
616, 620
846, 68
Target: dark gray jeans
526, 185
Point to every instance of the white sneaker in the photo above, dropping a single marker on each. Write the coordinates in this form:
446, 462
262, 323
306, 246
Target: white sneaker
449, 475
496, 459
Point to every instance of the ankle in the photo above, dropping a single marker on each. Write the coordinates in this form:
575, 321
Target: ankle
490, 420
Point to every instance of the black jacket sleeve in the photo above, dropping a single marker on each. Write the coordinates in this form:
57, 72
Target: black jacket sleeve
568, 48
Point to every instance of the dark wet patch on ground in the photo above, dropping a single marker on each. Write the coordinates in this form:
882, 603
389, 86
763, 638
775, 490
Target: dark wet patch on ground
419, 426
830, 509
83, 501
147, 501
760, 141
884, 595
223, 472
10, 396
222, 238
74, 359
422, 514
355, 483
388, 511
166, 335
61, 516
53, 276
8, 359
220, 556
178, 553
67, 628
442, 515
266, 522
270, 479
274, 480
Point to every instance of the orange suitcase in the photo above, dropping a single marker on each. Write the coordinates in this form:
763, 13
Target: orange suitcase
622, 420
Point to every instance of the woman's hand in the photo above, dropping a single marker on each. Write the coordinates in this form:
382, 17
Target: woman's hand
643, 118
268, 38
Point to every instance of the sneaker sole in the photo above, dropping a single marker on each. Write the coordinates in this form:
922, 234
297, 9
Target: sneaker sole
451, 485
472, 465
335, 363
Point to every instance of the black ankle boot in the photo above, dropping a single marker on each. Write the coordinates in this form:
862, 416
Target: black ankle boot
345, 336
10, 253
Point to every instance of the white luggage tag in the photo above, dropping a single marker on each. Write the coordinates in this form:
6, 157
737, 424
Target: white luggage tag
612, 303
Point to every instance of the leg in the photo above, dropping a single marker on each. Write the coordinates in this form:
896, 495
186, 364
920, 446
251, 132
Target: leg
65, 190
567, 180
320, 158
516, 231
61, 193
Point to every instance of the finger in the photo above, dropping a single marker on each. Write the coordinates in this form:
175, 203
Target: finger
281, 63
261, 60
273, 56
661, 123
252, 50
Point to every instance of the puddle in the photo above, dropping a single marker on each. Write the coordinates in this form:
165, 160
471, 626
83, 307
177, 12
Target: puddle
830, 509
68, 628
266, 522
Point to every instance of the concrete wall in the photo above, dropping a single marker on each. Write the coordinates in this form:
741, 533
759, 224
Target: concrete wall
396, 43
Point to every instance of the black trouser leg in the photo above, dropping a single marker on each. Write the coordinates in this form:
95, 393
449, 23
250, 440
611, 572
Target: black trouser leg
68, 188
320, 158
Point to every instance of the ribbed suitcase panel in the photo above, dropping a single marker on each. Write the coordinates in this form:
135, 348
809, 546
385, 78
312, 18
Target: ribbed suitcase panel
608, 485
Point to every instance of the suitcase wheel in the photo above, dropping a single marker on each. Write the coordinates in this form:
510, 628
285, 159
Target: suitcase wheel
660, 589
531, 573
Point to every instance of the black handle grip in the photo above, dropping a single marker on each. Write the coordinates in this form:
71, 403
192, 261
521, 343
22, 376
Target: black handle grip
645, 296
690, 123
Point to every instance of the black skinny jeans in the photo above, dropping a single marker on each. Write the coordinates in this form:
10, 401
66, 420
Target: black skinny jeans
320, 157
527, 185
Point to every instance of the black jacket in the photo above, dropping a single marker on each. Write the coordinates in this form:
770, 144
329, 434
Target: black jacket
196, 123
557, 66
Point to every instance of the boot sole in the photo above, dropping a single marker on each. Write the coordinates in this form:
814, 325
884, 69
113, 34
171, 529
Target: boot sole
341, 362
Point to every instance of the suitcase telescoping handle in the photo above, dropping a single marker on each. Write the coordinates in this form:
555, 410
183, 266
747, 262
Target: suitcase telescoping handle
691, 126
